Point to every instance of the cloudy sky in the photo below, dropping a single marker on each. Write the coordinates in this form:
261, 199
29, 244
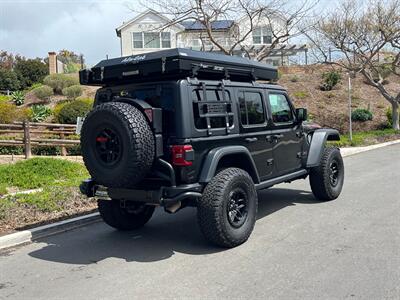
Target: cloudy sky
33, 28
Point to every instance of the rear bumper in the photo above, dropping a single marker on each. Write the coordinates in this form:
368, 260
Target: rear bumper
165, 196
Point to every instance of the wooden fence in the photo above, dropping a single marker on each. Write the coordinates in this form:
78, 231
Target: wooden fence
30, 134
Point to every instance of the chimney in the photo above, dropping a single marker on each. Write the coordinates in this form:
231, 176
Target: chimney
52, 63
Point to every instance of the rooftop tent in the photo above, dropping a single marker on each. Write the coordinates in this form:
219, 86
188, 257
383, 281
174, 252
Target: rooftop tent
175, 64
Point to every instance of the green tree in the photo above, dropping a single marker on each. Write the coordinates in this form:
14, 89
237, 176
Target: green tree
30, 71
71, 60
9, 80
7, 60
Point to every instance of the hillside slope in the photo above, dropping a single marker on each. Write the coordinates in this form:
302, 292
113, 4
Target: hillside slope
330, 108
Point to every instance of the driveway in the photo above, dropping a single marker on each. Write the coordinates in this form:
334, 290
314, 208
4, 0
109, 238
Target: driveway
300, 249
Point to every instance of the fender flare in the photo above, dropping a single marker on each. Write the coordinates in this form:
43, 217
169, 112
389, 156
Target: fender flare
215, 155
317, 145
139, 104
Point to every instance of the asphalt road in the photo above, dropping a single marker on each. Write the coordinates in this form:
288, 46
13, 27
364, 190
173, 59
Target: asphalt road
300, 249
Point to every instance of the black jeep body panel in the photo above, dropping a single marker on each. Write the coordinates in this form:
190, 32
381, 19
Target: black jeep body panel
227, 123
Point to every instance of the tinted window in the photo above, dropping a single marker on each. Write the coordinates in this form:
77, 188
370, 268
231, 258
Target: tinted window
211, 96
280, 108
251, 108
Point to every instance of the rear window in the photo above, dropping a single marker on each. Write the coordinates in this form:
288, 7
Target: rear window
206, 105
156, 96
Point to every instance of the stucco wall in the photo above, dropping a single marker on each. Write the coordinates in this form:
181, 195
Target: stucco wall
147, 23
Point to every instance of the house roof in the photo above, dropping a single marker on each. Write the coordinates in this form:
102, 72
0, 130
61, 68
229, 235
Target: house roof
215, 25
146, 12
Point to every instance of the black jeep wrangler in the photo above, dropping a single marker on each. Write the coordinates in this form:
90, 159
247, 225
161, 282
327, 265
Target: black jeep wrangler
179, 128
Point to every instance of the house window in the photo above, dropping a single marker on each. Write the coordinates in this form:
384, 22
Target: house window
137, 39
262, 35
195, 43
151, 39
165, 39
251, 108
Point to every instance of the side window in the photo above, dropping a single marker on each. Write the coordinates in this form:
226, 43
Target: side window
201, 108
280, 108
251, 108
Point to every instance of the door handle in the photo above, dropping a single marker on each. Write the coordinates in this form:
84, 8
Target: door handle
269, 138
251, 140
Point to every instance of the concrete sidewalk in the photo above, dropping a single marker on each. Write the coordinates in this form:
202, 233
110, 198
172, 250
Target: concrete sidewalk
354, 150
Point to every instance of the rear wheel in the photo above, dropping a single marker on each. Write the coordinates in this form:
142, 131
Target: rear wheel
327, 179
129, 216
228, 208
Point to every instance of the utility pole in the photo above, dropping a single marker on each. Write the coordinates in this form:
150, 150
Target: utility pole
350, 121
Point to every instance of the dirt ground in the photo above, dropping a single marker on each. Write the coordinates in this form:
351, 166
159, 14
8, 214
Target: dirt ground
330, 108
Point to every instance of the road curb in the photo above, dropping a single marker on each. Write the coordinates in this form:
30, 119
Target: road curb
27, 236
356, 150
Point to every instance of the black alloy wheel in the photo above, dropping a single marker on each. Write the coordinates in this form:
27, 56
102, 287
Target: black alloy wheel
108, 146
237, 208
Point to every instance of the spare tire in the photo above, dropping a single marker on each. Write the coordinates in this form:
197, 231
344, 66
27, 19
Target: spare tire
117, 144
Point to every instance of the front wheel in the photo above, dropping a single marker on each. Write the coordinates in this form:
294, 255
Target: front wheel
128, 216
228, 208
327, 178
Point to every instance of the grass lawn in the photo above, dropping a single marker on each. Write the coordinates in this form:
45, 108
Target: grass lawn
59, 197
365, 138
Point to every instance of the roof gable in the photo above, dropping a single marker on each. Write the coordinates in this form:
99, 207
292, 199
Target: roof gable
146, 15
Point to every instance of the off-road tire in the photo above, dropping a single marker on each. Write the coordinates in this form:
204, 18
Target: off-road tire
212, 208
320, 176
135, 141
133, 216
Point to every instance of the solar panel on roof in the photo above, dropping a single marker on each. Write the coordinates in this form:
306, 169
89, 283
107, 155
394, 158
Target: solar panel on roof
215, 25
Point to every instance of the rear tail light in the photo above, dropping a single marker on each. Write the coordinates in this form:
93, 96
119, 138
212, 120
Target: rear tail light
182, 155
149, 114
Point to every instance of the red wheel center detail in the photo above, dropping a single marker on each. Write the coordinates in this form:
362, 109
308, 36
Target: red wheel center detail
101, 139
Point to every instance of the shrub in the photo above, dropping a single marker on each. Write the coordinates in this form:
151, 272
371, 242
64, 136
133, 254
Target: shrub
57, 109
43, 92
69, 112
11, 150
39, 113
9, 80
72, 92
361, 115
59, 81
34, 86
330, 80
4, 98
389, 116
30, 71
10, 113
300, 95
18, 98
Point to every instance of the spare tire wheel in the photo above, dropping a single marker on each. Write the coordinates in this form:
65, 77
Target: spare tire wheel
117, 144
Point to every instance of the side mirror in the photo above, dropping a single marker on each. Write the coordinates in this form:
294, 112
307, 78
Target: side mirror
301, 114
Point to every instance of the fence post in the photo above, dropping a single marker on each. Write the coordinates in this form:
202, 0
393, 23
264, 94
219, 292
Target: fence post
63, 149
27, 140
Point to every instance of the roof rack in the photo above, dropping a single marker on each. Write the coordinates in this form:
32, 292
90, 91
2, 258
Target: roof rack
175, 64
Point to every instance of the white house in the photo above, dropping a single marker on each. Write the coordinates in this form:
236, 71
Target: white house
145, 33
149, 32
